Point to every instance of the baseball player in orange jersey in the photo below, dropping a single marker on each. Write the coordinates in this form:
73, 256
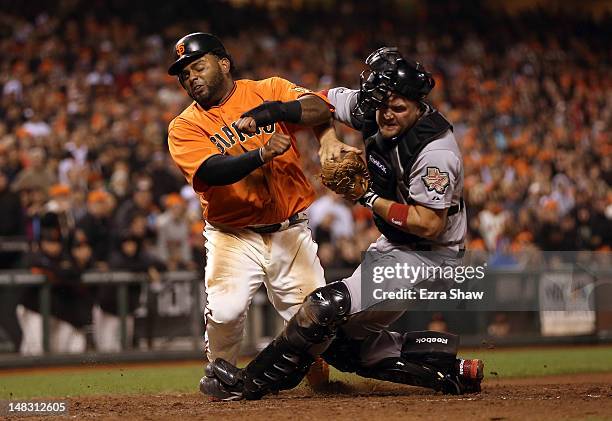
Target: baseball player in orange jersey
251, 187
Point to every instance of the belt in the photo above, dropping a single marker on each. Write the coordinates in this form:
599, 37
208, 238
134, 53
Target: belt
268, 229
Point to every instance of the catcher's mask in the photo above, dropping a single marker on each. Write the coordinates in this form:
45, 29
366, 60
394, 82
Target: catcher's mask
390, 73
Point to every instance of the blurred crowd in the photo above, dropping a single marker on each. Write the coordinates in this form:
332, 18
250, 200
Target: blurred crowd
85, 175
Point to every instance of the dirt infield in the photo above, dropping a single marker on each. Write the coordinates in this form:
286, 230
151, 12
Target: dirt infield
584, 396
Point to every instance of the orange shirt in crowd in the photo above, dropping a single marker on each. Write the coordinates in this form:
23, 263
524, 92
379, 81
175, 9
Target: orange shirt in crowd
268, 195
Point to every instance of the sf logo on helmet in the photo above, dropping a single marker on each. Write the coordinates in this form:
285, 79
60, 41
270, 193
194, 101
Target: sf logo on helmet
180, 49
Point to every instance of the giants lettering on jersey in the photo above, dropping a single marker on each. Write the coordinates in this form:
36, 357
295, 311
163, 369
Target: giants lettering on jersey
228, 136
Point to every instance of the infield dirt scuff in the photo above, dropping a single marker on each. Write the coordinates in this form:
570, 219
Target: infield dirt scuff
574, 397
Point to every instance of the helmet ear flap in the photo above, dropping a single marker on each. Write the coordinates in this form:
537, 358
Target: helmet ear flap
428, 82
429, 85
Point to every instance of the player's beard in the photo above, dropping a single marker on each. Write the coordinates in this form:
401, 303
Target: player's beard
212, 92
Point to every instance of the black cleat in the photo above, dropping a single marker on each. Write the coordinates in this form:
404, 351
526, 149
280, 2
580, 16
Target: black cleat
456, 385
466, 379
470, 375
222, 381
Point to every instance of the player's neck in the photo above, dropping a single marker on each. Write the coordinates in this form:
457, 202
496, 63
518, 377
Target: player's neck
228, 88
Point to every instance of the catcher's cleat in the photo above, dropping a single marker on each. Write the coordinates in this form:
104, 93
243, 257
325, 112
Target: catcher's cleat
456, 385
222, 381
470, 375
470, 369
466, 379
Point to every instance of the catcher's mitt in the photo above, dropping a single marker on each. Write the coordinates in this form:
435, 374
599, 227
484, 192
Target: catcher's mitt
348, 177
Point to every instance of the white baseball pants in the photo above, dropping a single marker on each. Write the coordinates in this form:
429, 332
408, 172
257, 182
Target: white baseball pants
238, 262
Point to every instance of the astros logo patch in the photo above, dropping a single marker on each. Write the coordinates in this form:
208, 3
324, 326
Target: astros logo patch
436, 180
180, 49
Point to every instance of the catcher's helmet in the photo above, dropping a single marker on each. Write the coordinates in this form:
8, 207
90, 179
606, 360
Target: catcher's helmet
193, 46
390, 73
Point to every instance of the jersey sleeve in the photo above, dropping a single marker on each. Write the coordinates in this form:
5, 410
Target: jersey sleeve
344, 101
189, 148
434, 177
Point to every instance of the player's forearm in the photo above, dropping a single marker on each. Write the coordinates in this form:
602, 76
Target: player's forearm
315, 111
222, 170
332, 148
413, 219
325, 132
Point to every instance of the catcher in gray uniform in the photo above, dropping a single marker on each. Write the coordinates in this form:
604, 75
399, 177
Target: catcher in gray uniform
415, 192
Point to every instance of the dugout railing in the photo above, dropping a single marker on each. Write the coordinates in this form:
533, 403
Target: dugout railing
517, 293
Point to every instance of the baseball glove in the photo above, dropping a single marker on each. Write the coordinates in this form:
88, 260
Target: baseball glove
348, 177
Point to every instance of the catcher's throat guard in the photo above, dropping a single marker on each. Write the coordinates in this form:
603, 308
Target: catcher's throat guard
390, 73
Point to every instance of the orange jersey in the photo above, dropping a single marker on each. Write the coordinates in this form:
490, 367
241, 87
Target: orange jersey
269, 194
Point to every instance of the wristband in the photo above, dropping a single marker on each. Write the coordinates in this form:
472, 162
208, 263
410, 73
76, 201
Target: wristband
398, 215
368, 199
274, 111
292, 111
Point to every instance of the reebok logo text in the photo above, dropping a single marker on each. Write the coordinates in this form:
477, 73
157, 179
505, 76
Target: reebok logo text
431, 340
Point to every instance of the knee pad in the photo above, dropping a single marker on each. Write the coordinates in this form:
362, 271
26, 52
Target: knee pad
436, 349
428, 364
400, 370
318, 318
277, 367
427, 360
285, 361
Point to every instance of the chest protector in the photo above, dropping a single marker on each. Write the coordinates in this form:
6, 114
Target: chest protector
389, 164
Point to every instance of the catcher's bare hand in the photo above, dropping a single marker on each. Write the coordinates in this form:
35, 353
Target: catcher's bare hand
333, 150
246, 125
277, 145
